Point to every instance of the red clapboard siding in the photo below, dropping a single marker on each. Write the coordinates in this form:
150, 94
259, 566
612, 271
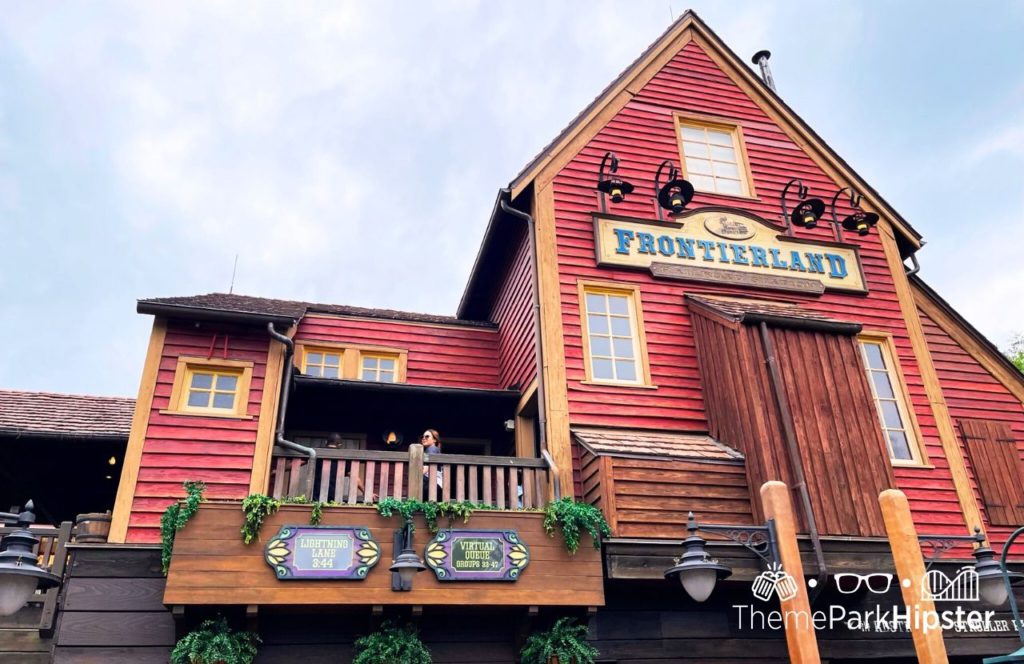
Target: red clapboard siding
513, 312
180, 448
444, 355
973, 393
643, 135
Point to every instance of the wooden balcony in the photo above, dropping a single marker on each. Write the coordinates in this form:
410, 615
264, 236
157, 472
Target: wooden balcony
211, 565
354, 477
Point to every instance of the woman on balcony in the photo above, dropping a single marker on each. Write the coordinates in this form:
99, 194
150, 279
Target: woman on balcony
431, 445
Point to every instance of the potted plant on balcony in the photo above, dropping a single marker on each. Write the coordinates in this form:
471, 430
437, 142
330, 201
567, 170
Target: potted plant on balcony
392, 643
564, 643
215, 643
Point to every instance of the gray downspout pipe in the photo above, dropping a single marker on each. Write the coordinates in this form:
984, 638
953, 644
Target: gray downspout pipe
789, 433
282, 411
538, 345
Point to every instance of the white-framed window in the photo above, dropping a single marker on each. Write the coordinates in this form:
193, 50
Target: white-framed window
613, 340
891, 402
218, 388
378, 367
713, 157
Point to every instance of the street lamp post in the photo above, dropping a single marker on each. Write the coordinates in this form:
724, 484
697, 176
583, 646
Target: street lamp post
20, 576
1017, 655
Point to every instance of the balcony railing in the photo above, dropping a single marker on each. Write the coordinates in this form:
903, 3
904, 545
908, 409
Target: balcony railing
352, 477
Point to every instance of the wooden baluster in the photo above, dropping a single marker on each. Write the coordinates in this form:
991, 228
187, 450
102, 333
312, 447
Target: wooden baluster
371, 469
446, 483
353, 483
460, 482
539, 487
338, 495
279, 477
487, 486
295, 478
499, 485
431, 484
513, 488
528, 474
325, 479
385, 473
399, 480
473, 475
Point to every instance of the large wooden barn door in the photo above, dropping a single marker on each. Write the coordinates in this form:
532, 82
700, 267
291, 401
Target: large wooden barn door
842, 452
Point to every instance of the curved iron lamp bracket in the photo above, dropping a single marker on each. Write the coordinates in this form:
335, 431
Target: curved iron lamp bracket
940, 544
801, 193
761, 540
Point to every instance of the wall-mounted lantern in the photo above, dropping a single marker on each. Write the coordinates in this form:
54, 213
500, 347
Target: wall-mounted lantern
675, 194
20, 576
807, 211
614, 187
407, 564
1008, 579
697, 572
859, 221
991, 586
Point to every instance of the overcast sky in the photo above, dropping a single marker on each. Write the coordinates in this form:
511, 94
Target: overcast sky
350, 153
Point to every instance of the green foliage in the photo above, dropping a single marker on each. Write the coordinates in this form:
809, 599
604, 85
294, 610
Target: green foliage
174, 519
431, 511
1015, 353
392, 644
257, 507
215, 642
573, 518
566, 640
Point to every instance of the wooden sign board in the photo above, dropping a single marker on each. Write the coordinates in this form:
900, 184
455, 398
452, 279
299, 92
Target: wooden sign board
477, 555
738, 246
322, 552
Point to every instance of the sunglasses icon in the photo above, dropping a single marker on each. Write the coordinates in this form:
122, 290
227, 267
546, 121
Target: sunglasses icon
850, 582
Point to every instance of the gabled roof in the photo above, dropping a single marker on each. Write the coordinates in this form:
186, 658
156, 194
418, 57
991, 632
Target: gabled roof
261, 309
638, 443
778, 314
48, 415
690, 26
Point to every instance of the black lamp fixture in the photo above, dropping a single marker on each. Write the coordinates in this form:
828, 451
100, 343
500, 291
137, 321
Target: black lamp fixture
697, 572
614, 187
858, 221
991, 587
675, 194
20, 576
1017, 655
407, 564
807, 211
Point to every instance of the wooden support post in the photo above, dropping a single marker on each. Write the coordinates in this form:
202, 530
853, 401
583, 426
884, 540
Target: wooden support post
906, 553
800, 637
178, 613
415, 471
252, 617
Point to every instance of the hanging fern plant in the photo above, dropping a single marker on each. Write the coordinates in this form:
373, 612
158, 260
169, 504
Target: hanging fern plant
566, 641
392, 643
257, 507
573, 519
174, 519
215, 643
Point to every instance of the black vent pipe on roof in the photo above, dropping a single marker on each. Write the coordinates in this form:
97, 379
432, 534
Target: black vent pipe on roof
282, 411
761, 60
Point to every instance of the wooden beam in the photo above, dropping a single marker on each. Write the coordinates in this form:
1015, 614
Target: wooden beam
930, 379
906, 552
556, 396
268, 416
800, 638
137, 438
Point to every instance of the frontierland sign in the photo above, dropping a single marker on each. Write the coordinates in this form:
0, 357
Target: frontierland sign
721, 245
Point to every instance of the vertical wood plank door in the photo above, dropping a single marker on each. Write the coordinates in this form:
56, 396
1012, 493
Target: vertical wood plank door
998, 469
844, 457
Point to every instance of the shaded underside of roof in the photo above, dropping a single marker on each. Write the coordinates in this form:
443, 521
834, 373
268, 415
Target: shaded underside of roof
781, 314
291, 310
634, 442
48, 415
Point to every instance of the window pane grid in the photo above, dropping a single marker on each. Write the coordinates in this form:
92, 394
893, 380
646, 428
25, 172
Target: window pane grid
324, 365
711, 160
212, 390
611, 340
378, 369
889, 405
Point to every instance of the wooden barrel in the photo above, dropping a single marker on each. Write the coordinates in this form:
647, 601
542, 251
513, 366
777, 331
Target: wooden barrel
92, 527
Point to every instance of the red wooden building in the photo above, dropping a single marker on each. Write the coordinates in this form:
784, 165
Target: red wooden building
650, 362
